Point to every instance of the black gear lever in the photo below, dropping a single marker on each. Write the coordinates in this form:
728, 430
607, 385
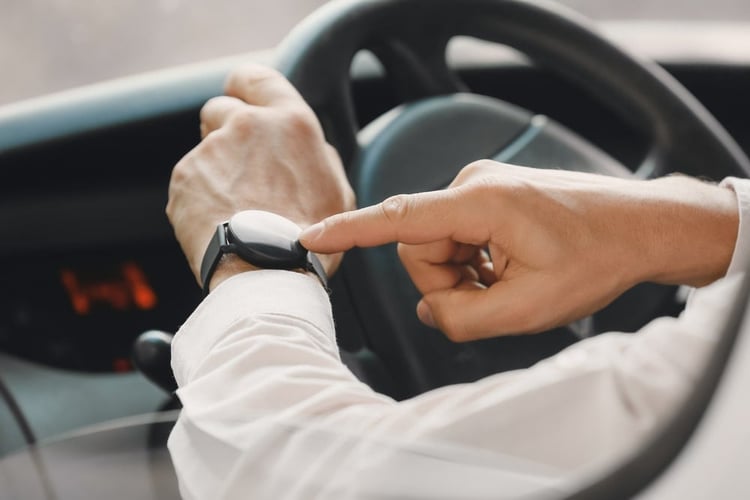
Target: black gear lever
152, 353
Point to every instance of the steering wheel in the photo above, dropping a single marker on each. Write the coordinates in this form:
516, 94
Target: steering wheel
423, 144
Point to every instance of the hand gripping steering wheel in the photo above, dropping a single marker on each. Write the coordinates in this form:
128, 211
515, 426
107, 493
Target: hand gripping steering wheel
424, 143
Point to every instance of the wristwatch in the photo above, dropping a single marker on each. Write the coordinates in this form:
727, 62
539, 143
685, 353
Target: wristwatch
263, 239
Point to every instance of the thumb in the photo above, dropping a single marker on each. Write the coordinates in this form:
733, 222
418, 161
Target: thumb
473, 312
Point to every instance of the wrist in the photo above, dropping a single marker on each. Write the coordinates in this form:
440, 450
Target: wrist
689, 231
232, 265
251, 240
229, 265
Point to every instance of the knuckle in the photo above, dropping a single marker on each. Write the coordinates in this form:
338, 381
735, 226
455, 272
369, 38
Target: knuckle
484, 189
179, 173
232, 80
209, 105
301, 122
177, 179
484, 174
479, 166
169, 207
475, 168
247, 75
244, 121
397, 208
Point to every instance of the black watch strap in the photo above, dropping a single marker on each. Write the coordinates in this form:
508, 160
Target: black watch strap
314, 265
219, 245
216, 248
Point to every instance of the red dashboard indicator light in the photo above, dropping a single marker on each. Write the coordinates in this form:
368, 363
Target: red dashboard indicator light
79, 300
126, 290
121, 365
143, 295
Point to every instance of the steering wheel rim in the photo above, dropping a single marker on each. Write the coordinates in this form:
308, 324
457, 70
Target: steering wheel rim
410, 38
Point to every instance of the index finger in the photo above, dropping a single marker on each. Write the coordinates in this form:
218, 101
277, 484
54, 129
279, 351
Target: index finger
217, 111
405, 218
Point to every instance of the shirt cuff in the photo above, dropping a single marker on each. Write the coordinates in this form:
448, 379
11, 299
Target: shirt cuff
741, 256
253, 293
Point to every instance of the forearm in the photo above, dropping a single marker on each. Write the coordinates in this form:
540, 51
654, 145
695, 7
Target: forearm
685, 231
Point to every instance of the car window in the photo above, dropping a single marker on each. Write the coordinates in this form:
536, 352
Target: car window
50, 45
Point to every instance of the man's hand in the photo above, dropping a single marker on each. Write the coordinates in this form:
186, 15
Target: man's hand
263, 149
511, 249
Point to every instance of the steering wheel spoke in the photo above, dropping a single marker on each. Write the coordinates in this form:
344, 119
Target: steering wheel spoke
417, 69
336, 115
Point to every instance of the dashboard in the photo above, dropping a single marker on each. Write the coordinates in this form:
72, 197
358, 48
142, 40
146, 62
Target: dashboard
88, 247
82, 311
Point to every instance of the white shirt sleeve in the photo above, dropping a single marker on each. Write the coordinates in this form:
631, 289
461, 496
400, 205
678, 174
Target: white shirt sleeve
741, 256
269, 410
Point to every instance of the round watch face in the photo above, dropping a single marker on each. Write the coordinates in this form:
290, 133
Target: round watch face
266, 239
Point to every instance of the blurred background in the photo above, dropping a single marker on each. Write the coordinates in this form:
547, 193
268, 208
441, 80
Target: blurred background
51, 45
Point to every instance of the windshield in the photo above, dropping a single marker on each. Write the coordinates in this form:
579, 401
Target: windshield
51, 45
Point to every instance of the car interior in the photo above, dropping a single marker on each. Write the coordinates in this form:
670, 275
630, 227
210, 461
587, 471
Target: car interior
96, 284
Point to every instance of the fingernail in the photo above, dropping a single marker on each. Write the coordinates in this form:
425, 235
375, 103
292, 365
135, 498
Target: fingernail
425, 314
311, 232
